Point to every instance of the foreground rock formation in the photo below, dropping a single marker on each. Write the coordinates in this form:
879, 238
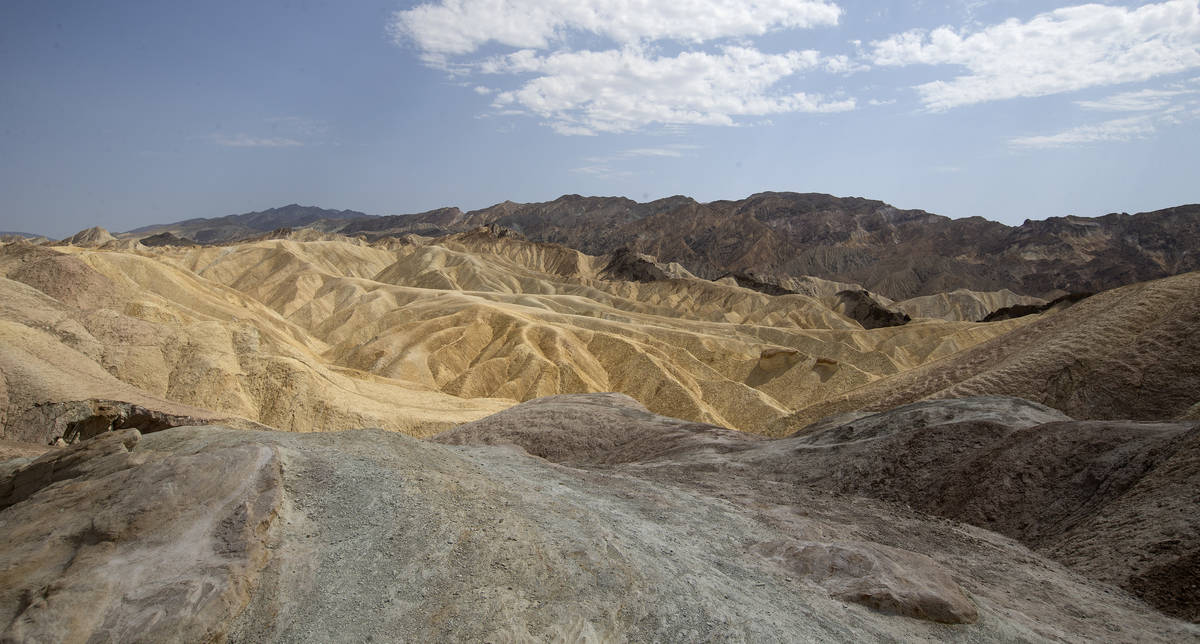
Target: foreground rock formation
587, 517
104, 544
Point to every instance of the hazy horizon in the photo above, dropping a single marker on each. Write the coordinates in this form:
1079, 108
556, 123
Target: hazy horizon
137, 113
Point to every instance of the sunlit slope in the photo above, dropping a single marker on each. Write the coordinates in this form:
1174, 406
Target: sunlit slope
125, 326
481, 316
963, 304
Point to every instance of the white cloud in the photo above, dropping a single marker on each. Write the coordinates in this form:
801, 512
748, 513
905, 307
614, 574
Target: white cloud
842, 64
246, 141
1063, 50
628, 84
1141, 101
623, 90
455, 27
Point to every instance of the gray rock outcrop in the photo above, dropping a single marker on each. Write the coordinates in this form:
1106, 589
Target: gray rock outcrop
579, 518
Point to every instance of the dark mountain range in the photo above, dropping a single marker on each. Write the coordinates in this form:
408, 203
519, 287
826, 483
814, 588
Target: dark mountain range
166, 239
900, 253
775, 236
218, 230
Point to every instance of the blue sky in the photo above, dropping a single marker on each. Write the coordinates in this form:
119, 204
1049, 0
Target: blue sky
122, 114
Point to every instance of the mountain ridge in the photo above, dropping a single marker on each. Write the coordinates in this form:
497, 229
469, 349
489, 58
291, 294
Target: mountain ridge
239, 226
784, 235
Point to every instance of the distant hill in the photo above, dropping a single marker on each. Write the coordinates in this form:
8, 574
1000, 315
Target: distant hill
778, 236
899, 253
217, 230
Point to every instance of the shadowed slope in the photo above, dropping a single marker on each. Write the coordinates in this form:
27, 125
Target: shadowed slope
1131, 352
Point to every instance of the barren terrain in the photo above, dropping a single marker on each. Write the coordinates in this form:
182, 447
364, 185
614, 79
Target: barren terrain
417, 335
632, 527
574, 447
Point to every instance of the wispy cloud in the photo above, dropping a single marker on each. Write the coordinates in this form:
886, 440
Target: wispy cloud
669, 150
1063, 50
1139, 101
1125, 129
602, 166
280, 132
246, 141
603, 172
298, 126
1158, 108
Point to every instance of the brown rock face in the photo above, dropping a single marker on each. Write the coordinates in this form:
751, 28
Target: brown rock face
77, 420
629, 266
166, 239
859, 306
1021, 310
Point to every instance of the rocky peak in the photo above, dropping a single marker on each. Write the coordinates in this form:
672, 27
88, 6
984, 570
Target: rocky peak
90, 237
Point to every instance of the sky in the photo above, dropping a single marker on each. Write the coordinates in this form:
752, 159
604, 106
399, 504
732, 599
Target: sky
123, 114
